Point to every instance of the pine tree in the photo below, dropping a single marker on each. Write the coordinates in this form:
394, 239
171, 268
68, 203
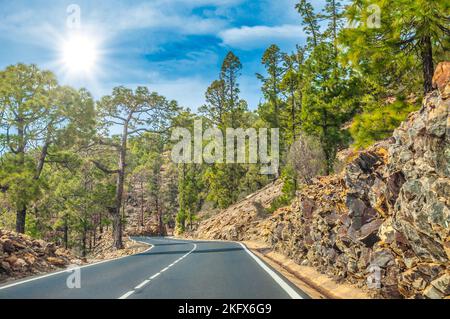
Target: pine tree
416, 29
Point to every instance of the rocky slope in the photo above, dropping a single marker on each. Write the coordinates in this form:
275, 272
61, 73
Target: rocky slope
384, 220
22, 256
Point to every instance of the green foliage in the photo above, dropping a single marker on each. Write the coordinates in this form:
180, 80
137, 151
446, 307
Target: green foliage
288, 190
379, 122
411, 34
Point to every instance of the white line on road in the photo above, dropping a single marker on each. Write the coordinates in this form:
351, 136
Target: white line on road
142, 284
145, 282
128, 294
288, 289
155, 275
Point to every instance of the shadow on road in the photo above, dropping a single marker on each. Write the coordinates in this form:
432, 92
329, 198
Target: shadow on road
178, 252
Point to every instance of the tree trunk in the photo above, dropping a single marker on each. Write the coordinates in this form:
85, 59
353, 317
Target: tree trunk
41, 160
117, 218
100, 219
293, 115
427, 64
66, 233
83, 240
21, 213
142, 204
20, 220
160, 218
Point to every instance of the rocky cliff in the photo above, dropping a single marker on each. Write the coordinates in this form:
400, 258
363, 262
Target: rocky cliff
382, 224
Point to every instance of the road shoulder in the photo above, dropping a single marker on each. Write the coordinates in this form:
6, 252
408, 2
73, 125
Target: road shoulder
307, 279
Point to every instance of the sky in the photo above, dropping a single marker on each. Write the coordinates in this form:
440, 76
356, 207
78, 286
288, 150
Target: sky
174, 47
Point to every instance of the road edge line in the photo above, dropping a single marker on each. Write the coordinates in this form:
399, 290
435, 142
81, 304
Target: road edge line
282, 283
288, 289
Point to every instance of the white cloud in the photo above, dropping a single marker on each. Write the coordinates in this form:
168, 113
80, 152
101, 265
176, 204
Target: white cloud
248, 38
150, 16
174, 15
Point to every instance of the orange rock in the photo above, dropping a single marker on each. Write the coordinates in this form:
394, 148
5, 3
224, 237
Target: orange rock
19, 264
55, 261
441, 79
11, 259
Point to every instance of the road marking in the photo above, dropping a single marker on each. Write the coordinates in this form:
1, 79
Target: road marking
155, 275
67, 270
142, 284
288, 289
128, 294
145, 282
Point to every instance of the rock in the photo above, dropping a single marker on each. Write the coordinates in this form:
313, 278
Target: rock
382, 258
8, 246
19, 264
30, 259
441, 79
410, 262
50, 249
11, 259
5, 266
432, 293
307, 207
442, 284
55, 261
23, 256
368, 232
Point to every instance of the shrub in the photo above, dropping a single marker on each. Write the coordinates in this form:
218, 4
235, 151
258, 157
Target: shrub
307, 159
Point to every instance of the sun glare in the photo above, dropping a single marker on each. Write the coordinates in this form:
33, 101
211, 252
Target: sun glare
79, 54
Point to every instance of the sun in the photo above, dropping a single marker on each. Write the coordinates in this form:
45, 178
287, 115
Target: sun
79, 54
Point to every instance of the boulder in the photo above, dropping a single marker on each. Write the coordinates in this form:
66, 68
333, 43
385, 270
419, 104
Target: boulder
441, 79
55, 261
442, 284
432, 293
19, 264
8, 246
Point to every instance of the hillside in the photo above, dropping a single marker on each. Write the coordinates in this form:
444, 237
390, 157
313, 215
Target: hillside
386, 214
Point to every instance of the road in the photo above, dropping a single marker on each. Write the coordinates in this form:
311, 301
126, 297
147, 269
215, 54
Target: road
172, 269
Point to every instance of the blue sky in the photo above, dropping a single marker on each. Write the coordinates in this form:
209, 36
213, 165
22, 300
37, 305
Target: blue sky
174, 47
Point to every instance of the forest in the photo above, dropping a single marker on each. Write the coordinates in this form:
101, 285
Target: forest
70, 164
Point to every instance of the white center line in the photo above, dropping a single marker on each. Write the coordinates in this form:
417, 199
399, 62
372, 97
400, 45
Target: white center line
128, 294
145, 282
142, 284
155, 275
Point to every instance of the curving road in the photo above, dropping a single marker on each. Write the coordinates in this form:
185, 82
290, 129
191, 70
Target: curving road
170, 269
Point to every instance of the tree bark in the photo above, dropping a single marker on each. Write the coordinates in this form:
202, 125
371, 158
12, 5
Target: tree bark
66, 233
83, 240
427, 64
117, 218
20, 220
142, 204
21, 213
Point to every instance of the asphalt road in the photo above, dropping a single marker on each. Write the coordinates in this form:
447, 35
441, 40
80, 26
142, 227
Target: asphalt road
172, 269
